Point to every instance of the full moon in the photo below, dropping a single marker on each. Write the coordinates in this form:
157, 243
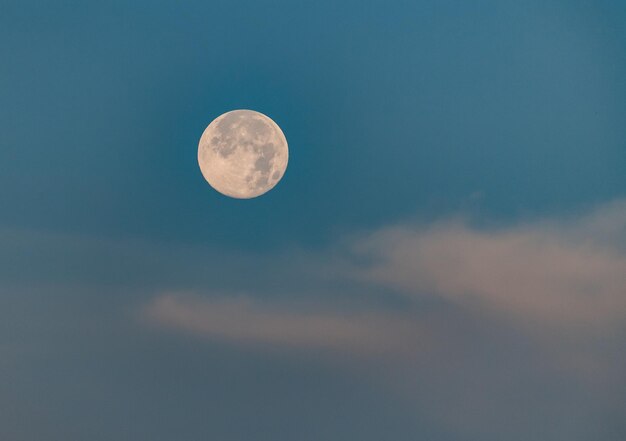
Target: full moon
243, 154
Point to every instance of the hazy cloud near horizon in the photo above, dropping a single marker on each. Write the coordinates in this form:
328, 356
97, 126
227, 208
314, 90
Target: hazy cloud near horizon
446, 315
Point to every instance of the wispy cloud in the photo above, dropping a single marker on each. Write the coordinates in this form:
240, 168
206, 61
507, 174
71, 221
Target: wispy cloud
241, 320
558, 271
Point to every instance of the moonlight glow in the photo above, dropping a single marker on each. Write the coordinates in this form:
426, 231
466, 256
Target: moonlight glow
243, 154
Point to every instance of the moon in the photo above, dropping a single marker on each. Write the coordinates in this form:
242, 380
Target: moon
243, 154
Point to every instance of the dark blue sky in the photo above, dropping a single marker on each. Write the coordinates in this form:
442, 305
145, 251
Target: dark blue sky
511, 114
391, 110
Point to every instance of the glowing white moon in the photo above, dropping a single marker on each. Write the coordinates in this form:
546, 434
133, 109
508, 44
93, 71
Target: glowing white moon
243, 154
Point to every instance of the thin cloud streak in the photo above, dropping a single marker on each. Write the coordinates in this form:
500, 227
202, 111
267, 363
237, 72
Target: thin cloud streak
240, 320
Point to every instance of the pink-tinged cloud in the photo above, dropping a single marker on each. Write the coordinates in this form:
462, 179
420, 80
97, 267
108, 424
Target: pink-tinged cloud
240, 320
568, 271
552, 275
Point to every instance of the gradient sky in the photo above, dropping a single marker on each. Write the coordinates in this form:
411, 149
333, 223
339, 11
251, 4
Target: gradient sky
445, 258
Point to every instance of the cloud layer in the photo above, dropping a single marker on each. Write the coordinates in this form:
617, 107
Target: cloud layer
564, 273
487, 330
569, 271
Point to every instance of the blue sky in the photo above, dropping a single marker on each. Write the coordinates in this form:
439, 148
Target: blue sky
443, 259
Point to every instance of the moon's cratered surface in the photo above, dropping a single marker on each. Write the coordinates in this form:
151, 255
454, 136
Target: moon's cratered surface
243, 154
